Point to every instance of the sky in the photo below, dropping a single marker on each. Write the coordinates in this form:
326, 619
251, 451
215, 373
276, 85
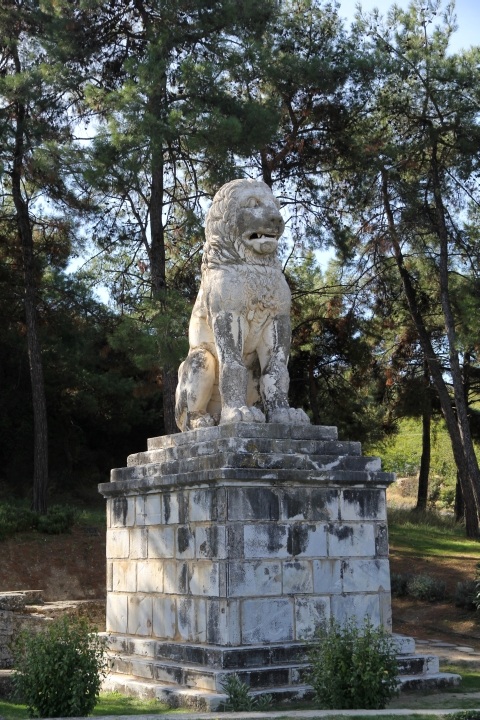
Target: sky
467, 11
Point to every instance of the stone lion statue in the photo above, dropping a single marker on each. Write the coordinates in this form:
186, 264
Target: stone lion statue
239, 332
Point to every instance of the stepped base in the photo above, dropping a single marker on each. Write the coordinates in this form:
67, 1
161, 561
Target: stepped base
193, 677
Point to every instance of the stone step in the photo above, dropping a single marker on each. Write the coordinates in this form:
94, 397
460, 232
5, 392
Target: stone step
259, 460
154, 475
16, 600
255, 445
428, 682
188, 674
271, 431
207, 701
6, 684
249, 446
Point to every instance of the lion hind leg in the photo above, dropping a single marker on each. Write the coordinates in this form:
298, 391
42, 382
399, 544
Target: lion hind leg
196, 378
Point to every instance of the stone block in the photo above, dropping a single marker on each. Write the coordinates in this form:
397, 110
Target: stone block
385, 602
118, 543
117, 613
122, 512
206, 578
140, 614
254, 578
266, 541
6, 622
327, 576
192, 619
175, 508
352, 540
109, 578
317, 504
253, 503
205, 505
235, 541
267, 620
185, 548
139, 543
356, 607
150, 576
124, 576
164, 617
297, 577
152, 510
307, 540
310, 613
176, 577
210, 542
363, 504
366, 575
161, 542
381, 540
223, 621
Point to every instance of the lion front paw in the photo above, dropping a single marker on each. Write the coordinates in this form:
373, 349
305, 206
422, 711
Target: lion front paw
289, 416
241, 414
197, 420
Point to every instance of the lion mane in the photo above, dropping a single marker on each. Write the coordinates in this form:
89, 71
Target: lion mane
223, 246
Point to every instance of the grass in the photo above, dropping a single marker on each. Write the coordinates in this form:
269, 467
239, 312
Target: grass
109, 704
428, 534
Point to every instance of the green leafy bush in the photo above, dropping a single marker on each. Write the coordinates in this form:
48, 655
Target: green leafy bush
399, 584
58, 672
424, 587
59, 519
353, 667
16, 517
239, 698
466, 594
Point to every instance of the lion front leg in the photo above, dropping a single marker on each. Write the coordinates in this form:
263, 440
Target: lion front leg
229, 333
196, 378
273, 352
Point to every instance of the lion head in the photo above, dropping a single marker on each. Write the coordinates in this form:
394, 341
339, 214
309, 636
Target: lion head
243, 225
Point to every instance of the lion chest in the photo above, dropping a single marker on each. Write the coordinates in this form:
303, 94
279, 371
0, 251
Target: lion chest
253, 292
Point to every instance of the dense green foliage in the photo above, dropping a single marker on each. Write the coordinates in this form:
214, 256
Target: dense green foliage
117, 125
16, 517
58, 672
353, 667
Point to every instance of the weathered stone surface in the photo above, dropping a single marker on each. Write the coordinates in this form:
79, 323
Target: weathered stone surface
239, 331
215, 569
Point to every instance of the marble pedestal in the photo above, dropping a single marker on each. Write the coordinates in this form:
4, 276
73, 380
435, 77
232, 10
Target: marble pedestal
227, 546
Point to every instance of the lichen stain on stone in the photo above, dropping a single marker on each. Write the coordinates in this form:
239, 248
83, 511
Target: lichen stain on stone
120, 510
368, 502
294, 506
297, 539
263, 503
166, 508
183, 539
275, 538
343, 532
183, 579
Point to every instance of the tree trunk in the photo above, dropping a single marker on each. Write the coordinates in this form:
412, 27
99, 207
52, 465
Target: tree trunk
40, 426
422, 495
459, 507
469, 478
469, 471
158, 270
